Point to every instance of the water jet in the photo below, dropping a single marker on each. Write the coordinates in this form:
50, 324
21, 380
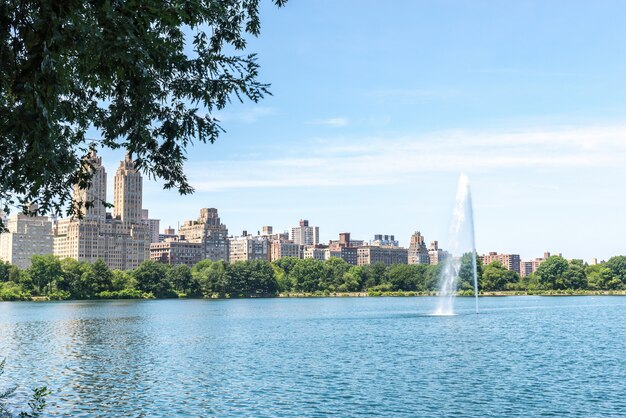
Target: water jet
462, 244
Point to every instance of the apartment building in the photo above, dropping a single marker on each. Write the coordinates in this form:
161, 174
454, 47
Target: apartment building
121, 239
26, 236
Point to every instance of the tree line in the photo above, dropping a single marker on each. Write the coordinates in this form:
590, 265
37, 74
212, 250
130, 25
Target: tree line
55, 279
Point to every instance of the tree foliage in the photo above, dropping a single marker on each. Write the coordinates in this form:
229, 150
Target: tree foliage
601, 277
71, 279
617, 267
497, 277
148, 75
182, 280
44, 270
551, 273
5, 267
466, 272
150, 277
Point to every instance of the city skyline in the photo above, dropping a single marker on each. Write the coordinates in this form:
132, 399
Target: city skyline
365, 232
379, 112
127, 236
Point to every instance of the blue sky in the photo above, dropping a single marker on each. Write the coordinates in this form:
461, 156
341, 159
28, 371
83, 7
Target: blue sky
377, 108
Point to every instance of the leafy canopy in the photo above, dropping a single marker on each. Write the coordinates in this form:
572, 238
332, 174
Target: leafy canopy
146, 74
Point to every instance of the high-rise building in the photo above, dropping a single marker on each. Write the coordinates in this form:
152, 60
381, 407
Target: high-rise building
90, 201
418, 253
305, 234
435, 254
343, 241
153, 224
525, 268
510, 261
529, 267
127, 192
268, 231
122, 241
176, 251
25, 236
281, 248
210, 232
168, 232
329, 253
388, 240
387, 255
314, 252
349, 255
249, 247
344, 248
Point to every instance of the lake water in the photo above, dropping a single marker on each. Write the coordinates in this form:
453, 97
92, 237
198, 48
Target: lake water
314, 357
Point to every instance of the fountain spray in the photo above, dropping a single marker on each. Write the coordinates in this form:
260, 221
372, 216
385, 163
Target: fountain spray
462, 241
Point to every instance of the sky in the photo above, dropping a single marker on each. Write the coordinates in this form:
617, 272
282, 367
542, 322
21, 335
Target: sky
377, 108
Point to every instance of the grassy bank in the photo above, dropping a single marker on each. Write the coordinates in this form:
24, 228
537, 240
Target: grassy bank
361, 295
368, 294
459, 294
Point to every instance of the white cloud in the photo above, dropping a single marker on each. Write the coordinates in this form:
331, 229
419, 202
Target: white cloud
373, 161
247, 116
333, 122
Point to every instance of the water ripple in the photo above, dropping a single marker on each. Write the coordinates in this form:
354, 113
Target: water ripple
320, 357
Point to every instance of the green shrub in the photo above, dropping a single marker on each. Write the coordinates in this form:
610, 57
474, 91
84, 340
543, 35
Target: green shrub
123, 294
12, 291
59, 295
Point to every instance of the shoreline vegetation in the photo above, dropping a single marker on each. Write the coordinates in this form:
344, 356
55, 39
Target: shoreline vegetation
502, 293
400, 293
50, 278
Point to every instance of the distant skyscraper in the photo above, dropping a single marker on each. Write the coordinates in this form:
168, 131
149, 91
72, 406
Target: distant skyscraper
315, 253
26, 236
344, 248
385, 254
435, 254
127, 192
168, 232
305, 234
176, 251
389, 240
249, 247
153, 224
525, 268
510, 261
121, 241
529, 267
281, 248
90, 201
418, 253
209, 231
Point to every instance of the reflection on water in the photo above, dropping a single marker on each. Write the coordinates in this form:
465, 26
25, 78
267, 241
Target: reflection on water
307, 357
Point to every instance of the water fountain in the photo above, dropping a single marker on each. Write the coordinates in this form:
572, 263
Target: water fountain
461, 242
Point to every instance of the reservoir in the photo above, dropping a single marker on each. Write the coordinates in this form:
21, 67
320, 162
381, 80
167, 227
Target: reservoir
522, 355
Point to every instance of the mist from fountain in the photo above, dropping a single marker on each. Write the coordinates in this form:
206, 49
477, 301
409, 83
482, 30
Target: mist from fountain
462, 241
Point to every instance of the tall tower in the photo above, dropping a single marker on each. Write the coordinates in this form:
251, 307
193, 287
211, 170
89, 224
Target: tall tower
305, 234
209, 231
127, 192
418, 253
95, 196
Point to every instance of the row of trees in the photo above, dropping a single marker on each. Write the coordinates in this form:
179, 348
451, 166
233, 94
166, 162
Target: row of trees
557, 273
70, 279
56, 279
